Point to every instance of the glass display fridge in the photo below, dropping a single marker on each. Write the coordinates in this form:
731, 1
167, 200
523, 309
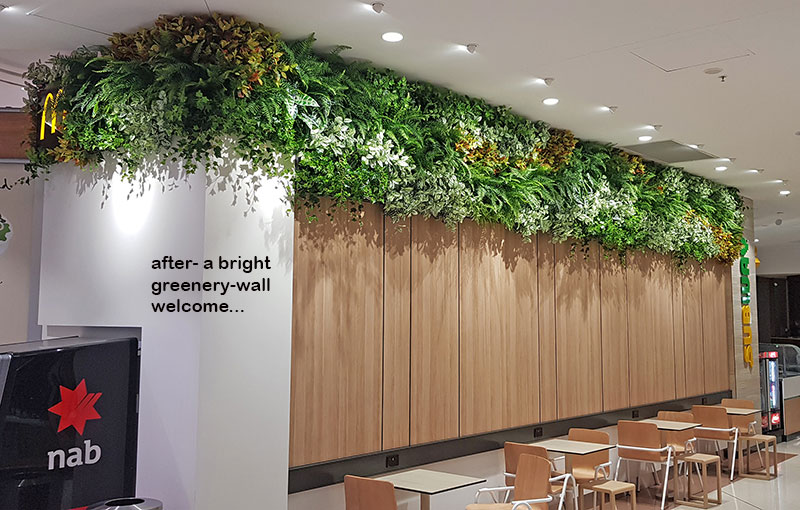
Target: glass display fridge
780, 388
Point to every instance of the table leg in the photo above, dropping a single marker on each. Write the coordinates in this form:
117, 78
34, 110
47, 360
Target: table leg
424, 502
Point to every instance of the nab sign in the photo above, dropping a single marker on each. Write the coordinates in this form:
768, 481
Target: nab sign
75, 409
68, 422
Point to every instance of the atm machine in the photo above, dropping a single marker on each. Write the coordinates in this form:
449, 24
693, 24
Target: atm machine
68, 422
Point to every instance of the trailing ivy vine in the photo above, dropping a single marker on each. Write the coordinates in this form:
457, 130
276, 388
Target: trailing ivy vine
193, 89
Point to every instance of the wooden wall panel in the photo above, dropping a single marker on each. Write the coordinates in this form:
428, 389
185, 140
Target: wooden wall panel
548, 390
614, 333
434, 331
14, 129
578, 342
397, 334
694, 354
337, 324
715, 327
677, 333
499, 376
650, 330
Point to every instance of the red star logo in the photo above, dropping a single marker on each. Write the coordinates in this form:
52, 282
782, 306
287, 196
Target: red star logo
76, 407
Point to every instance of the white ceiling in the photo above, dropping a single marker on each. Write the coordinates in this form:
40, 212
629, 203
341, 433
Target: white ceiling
647, 58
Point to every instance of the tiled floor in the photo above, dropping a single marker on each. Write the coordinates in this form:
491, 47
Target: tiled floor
782, 493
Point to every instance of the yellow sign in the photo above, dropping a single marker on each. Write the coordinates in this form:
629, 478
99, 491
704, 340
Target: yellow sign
747, 319
52, 102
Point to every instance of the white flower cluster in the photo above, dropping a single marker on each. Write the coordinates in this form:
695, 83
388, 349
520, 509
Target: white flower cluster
382, 153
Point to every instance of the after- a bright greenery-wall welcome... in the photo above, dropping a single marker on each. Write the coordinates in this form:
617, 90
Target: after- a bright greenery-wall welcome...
193, 89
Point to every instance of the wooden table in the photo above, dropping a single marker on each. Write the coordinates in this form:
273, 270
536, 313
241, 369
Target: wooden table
572, 447
672, 426
427, 483
738, 411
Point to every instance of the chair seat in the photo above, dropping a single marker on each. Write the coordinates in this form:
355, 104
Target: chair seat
762, 438
612, 487
701, 458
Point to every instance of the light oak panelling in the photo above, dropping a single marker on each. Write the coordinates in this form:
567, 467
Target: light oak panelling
336, 337
614, 313
791, 416
548, 390
397, 334
434, 331
715, 327
677, 333
694, 354
14, 129
578, 342
499, 340
650, 331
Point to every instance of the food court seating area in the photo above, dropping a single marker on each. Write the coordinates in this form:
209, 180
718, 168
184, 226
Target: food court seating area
676, 458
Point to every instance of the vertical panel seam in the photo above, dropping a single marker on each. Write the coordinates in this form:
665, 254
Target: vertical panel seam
458, 318
410, 320
383, 343
600, 298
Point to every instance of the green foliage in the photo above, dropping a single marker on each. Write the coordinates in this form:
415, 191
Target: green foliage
202, 89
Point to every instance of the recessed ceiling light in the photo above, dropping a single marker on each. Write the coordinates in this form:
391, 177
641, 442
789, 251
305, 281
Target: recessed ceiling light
693, 145
755, 240
609, 109
728, 160
645, 138
754, 171
713, 70
392, 37
785, 192
721, 168
654, 127
377, 7
550, 101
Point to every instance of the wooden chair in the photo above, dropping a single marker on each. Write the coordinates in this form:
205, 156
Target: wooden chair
512, 453
701, 461
641, 442
531, 487
368, 494
750, 432
590, 468
716, 427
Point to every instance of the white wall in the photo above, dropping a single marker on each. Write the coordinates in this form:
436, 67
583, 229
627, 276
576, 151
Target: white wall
778, 261
18, 257
214, 393
245, 360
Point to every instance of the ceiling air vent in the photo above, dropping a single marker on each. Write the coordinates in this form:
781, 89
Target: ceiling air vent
668, 151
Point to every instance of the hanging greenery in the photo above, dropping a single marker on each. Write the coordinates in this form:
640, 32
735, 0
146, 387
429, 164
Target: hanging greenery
193, 89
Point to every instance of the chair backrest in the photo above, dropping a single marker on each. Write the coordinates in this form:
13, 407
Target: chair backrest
642, 435
742, 422
678, 438
368, 494
738, 402
714, 417
590, 461
512, 453
533, 478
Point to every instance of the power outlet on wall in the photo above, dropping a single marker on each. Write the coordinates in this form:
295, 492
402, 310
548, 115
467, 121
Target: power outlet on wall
538, 432
392, 460
635, 413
